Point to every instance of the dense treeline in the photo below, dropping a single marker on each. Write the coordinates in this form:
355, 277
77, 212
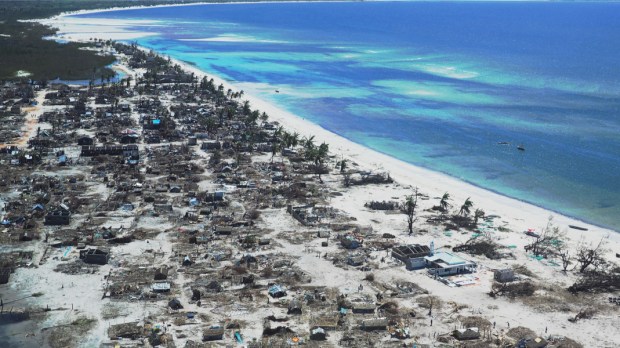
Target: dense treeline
22, 46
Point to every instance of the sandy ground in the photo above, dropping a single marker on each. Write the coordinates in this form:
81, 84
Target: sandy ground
30, 122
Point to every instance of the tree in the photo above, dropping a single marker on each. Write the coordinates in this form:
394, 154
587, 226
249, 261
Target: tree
347, 179
549, 242
478, 214
587, 255
443, 203
604, 279
294, 139
466, 207
246, 107
275, 147
320, 154
343, 166
411, 202
210, 124
252, 117
309, 143
566, 257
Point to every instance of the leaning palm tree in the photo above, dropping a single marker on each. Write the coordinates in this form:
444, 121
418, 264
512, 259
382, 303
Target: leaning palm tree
443, 203
466, 207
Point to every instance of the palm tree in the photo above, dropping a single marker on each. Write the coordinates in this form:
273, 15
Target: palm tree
478, 214
285, 139
319, 155
309, 144
252, 117
323, 152
264, 117
443, 203
465, 208
246, 107
278, 133
294, 139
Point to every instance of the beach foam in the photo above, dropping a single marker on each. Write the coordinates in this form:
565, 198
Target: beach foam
233, 38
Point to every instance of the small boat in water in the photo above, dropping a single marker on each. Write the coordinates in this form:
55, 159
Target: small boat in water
503, 143
521, 148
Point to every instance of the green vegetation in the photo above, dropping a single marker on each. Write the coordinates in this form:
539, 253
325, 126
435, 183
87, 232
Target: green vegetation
22, 46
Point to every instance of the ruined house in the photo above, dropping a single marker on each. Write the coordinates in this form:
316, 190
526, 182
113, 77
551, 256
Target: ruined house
95, 256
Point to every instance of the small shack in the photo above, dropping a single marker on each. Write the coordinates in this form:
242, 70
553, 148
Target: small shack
213, 333
355, 260
318, 334
160, 287
363, 308
294, 307
57, 218
376, 324
161, 273
350, 242
470, 333
130, 331
95, 256
412, 255
276, 291
537, 342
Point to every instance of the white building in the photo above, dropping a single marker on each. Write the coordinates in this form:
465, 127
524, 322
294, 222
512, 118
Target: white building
443, 263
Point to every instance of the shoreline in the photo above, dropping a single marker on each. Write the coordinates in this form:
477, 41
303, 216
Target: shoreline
112, 9
430, 182
403, 172
246, 2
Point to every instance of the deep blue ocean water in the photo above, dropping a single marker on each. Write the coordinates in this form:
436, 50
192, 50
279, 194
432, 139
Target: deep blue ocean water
434, 84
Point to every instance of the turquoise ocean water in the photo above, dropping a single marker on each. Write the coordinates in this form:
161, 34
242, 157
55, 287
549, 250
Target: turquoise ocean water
438, 85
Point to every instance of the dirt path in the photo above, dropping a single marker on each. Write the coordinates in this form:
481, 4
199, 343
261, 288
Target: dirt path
30, 122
